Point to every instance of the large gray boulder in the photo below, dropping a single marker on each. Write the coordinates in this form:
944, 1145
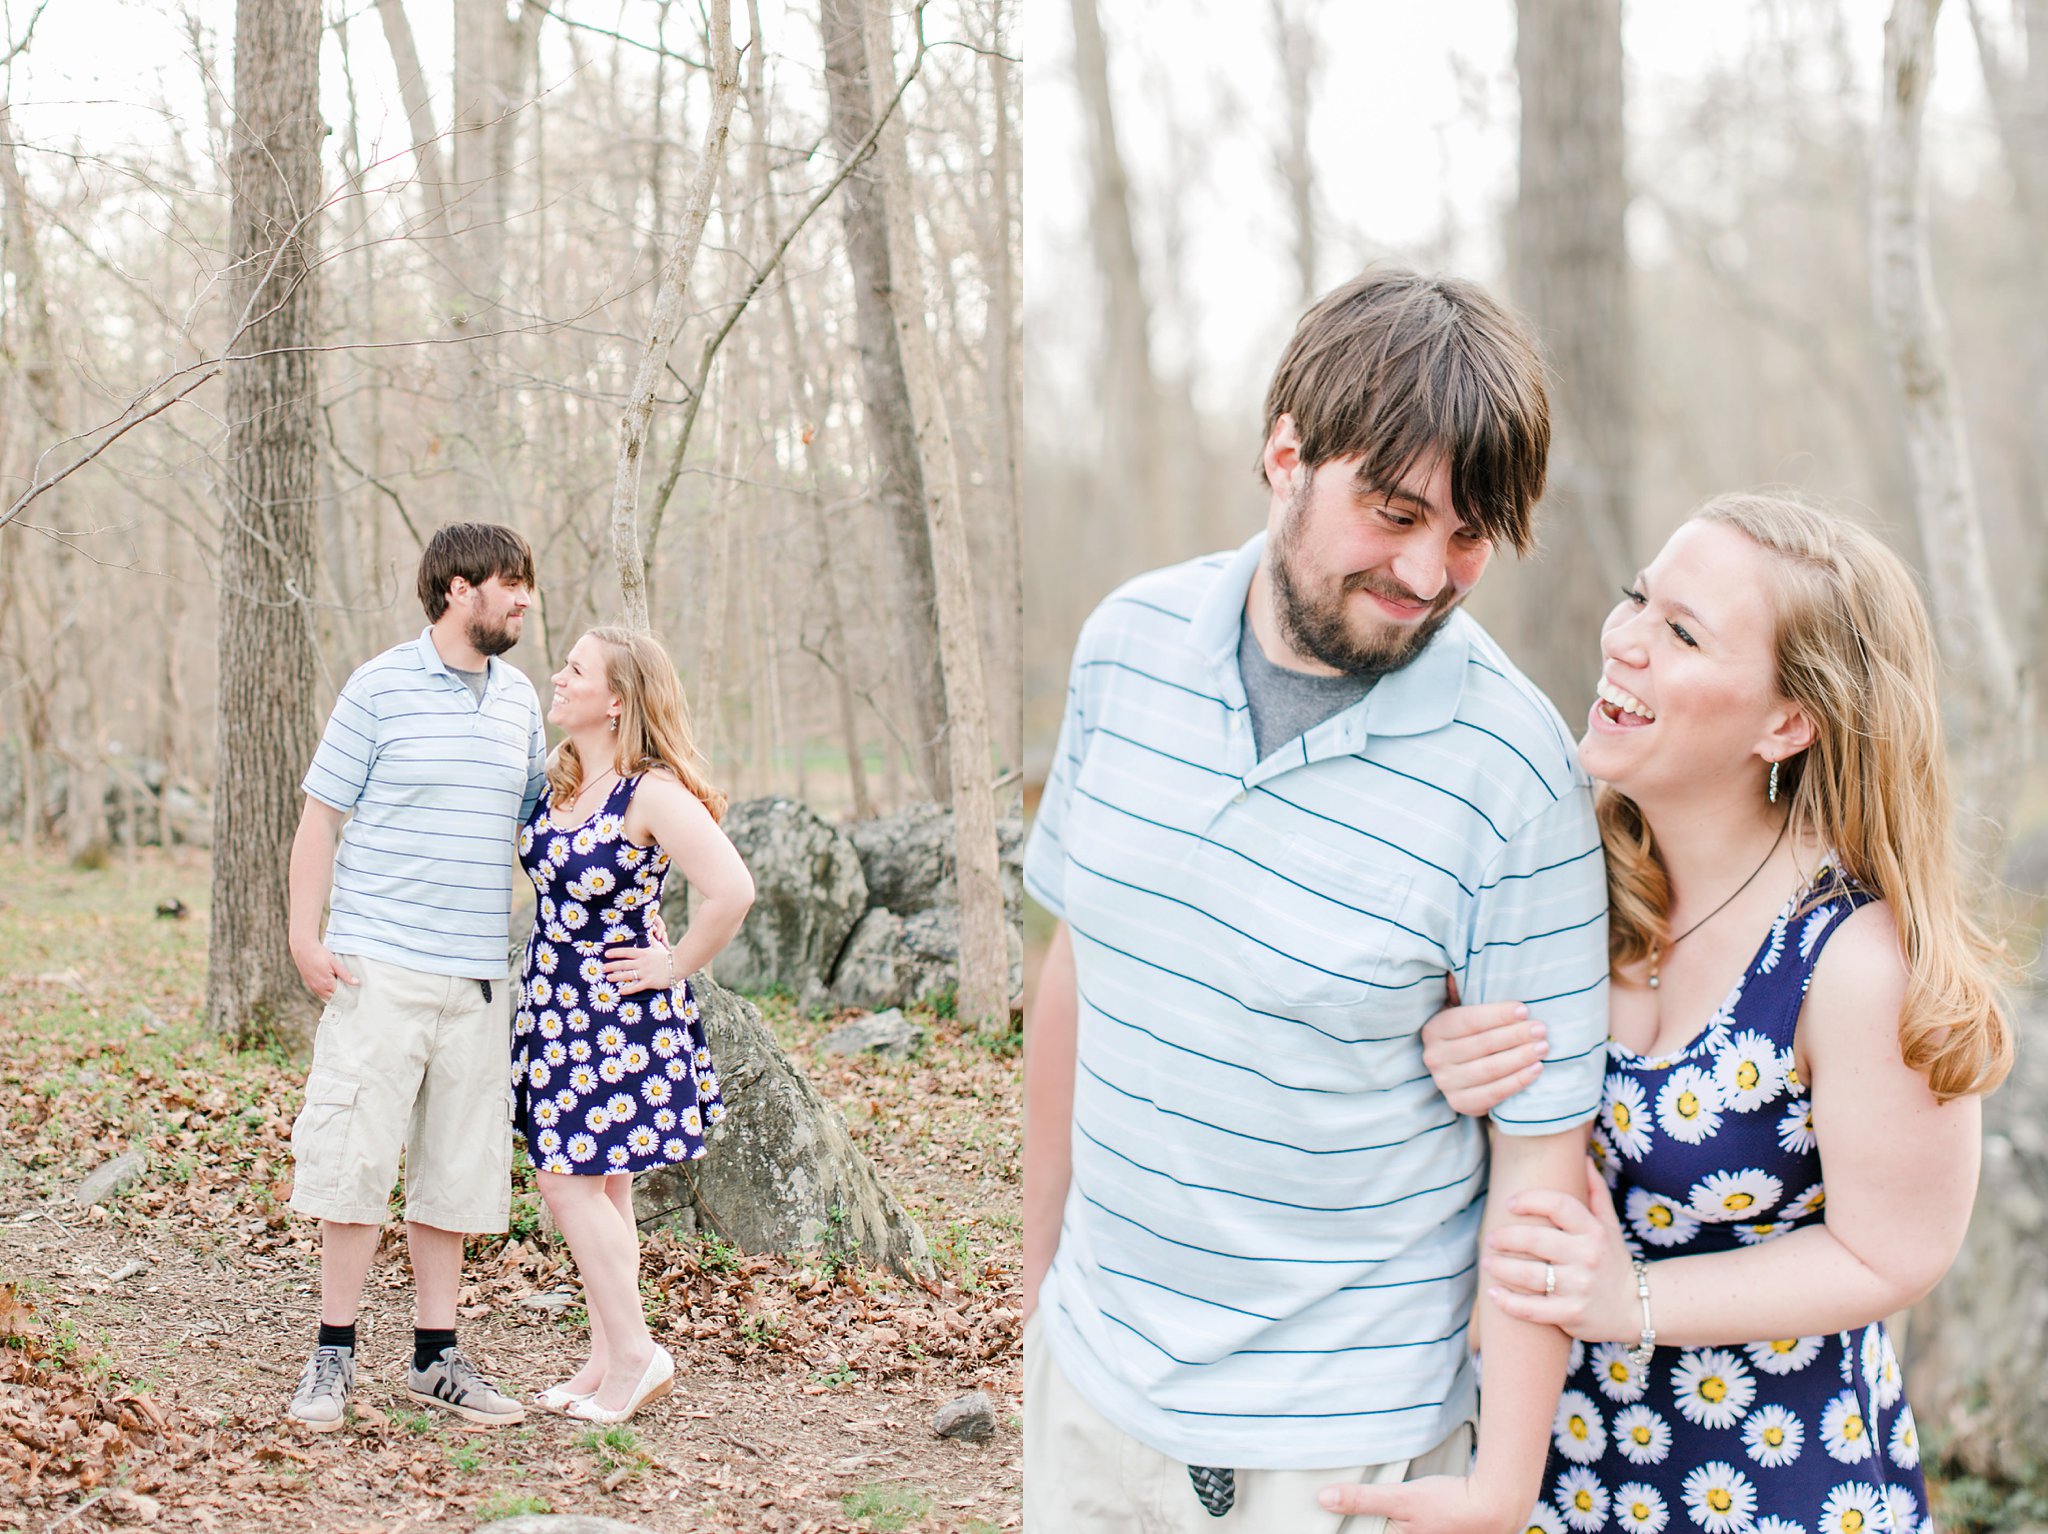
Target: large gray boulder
808, 893
782, 1174
907, 859
893, 960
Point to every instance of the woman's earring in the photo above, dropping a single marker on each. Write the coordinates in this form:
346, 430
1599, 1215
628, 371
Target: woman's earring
1771, 789
613, 725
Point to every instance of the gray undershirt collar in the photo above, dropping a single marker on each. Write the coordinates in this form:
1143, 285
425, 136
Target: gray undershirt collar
1287, 704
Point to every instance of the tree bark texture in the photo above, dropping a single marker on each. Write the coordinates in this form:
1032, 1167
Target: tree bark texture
1134, 448
1294, 37
419, 111
266, 730
885, 398
1569, 265
984, 957
1986, 1404
668, 318
1006, 387
1982, 692
75, 706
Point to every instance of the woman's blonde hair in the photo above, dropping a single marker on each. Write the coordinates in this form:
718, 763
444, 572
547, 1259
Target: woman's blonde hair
654, 721
1856, 652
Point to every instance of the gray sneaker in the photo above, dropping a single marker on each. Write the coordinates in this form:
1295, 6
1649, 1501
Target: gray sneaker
452, 1383
323, 1389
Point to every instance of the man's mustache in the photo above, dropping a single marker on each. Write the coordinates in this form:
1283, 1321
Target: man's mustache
1392, 591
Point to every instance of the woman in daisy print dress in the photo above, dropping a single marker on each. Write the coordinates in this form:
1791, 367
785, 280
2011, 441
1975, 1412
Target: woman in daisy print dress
1802, 1018
611, 1070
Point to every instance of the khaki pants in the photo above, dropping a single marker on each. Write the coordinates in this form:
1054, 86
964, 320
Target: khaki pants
1083, 1476
410, 1061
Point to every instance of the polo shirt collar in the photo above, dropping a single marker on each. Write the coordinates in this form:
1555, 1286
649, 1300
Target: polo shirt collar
430, 660
1422, 696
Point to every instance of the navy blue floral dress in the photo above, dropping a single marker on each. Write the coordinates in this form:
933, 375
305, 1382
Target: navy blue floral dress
1709, 1149
602, 1082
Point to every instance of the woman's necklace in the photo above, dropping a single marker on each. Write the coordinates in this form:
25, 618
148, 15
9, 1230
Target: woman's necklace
1656, 953
582, 794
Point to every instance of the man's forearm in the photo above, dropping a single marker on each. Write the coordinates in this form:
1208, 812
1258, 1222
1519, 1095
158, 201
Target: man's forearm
1049, 1039
1524, 1362
310, 877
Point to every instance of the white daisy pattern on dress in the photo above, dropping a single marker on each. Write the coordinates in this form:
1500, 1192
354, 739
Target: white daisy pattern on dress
1582, 1499
1843, 1432
1785, 1355
1689, 1105
1659, 1221
1616, 1374
1729, 1196
1712, 1387
1641, 1436
1576, 1428
643, 1096
1720, 1498
1748, 1072
1881, 1369
1711, 1148
1773, 1435
1626, 1116
1639, 1508
1544, 1519
1905, 1444
1853, 1507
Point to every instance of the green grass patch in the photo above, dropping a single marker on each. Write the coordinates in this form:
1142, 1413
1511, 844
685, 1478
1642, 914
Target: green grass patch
886, 1509
511, 1504
615, 1447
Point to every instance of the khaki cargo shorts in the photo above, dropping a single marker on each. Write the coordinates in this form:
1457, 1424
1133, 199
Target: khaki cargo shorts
411, 1061
1083, 1475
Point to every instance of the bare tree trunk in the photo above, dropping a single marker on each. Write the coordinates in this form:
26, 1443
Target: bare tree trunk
1986, 1404
1295, 37
1570, 273
266, 731
984, 955
1005, 389
801, 399
2018, 89
885, 398
1983, 695
419, 111
75, 705
668, 317
1135, 439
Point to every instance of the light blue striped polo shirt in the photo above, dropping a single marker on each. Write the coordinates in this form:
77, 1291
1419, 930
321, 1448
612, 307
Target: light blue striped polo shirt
439, 784
1267, 1256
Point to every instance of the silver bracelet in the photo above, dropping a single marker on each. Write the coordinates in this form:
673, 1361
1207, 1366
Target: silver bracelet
1639, 1355
670, 951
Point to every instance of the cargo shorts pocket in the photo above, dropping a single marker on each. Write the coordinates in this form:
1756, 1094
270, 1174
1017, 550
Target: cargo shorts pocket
322, 1131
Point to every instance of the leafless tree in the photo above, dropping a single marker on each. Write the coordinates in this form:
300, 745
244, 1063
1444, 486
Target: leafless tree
266, 724
1570, 274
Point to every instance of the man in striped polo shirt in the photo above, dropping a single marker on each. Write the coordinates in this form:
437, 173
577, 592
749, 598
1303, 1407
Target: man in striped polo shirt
1295, 790
429, 764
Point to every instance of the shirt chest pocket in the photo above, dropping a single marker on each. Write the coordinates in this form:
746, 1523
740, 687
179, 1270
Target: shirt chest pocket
1308, 926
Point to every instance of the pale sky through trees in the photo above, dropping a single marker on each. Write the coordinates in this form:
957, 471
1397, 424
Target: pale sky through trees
1413, 140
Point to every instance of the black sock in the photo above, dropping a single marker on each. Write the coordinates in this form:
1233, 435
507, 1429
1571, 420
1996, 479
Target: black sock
337, 1336
429, 1344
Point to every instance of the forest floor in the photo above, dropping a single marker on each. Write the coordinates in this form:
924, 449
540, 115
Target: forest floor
148, 1344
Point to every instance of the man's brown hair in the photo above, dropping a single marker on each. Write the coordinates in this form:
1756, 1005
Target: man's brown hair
476, 551
1393, 365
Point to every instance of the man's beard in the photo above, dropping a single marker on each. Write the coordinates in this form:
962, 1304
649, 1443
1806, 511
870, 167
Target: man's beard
1319, 628
491, 636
